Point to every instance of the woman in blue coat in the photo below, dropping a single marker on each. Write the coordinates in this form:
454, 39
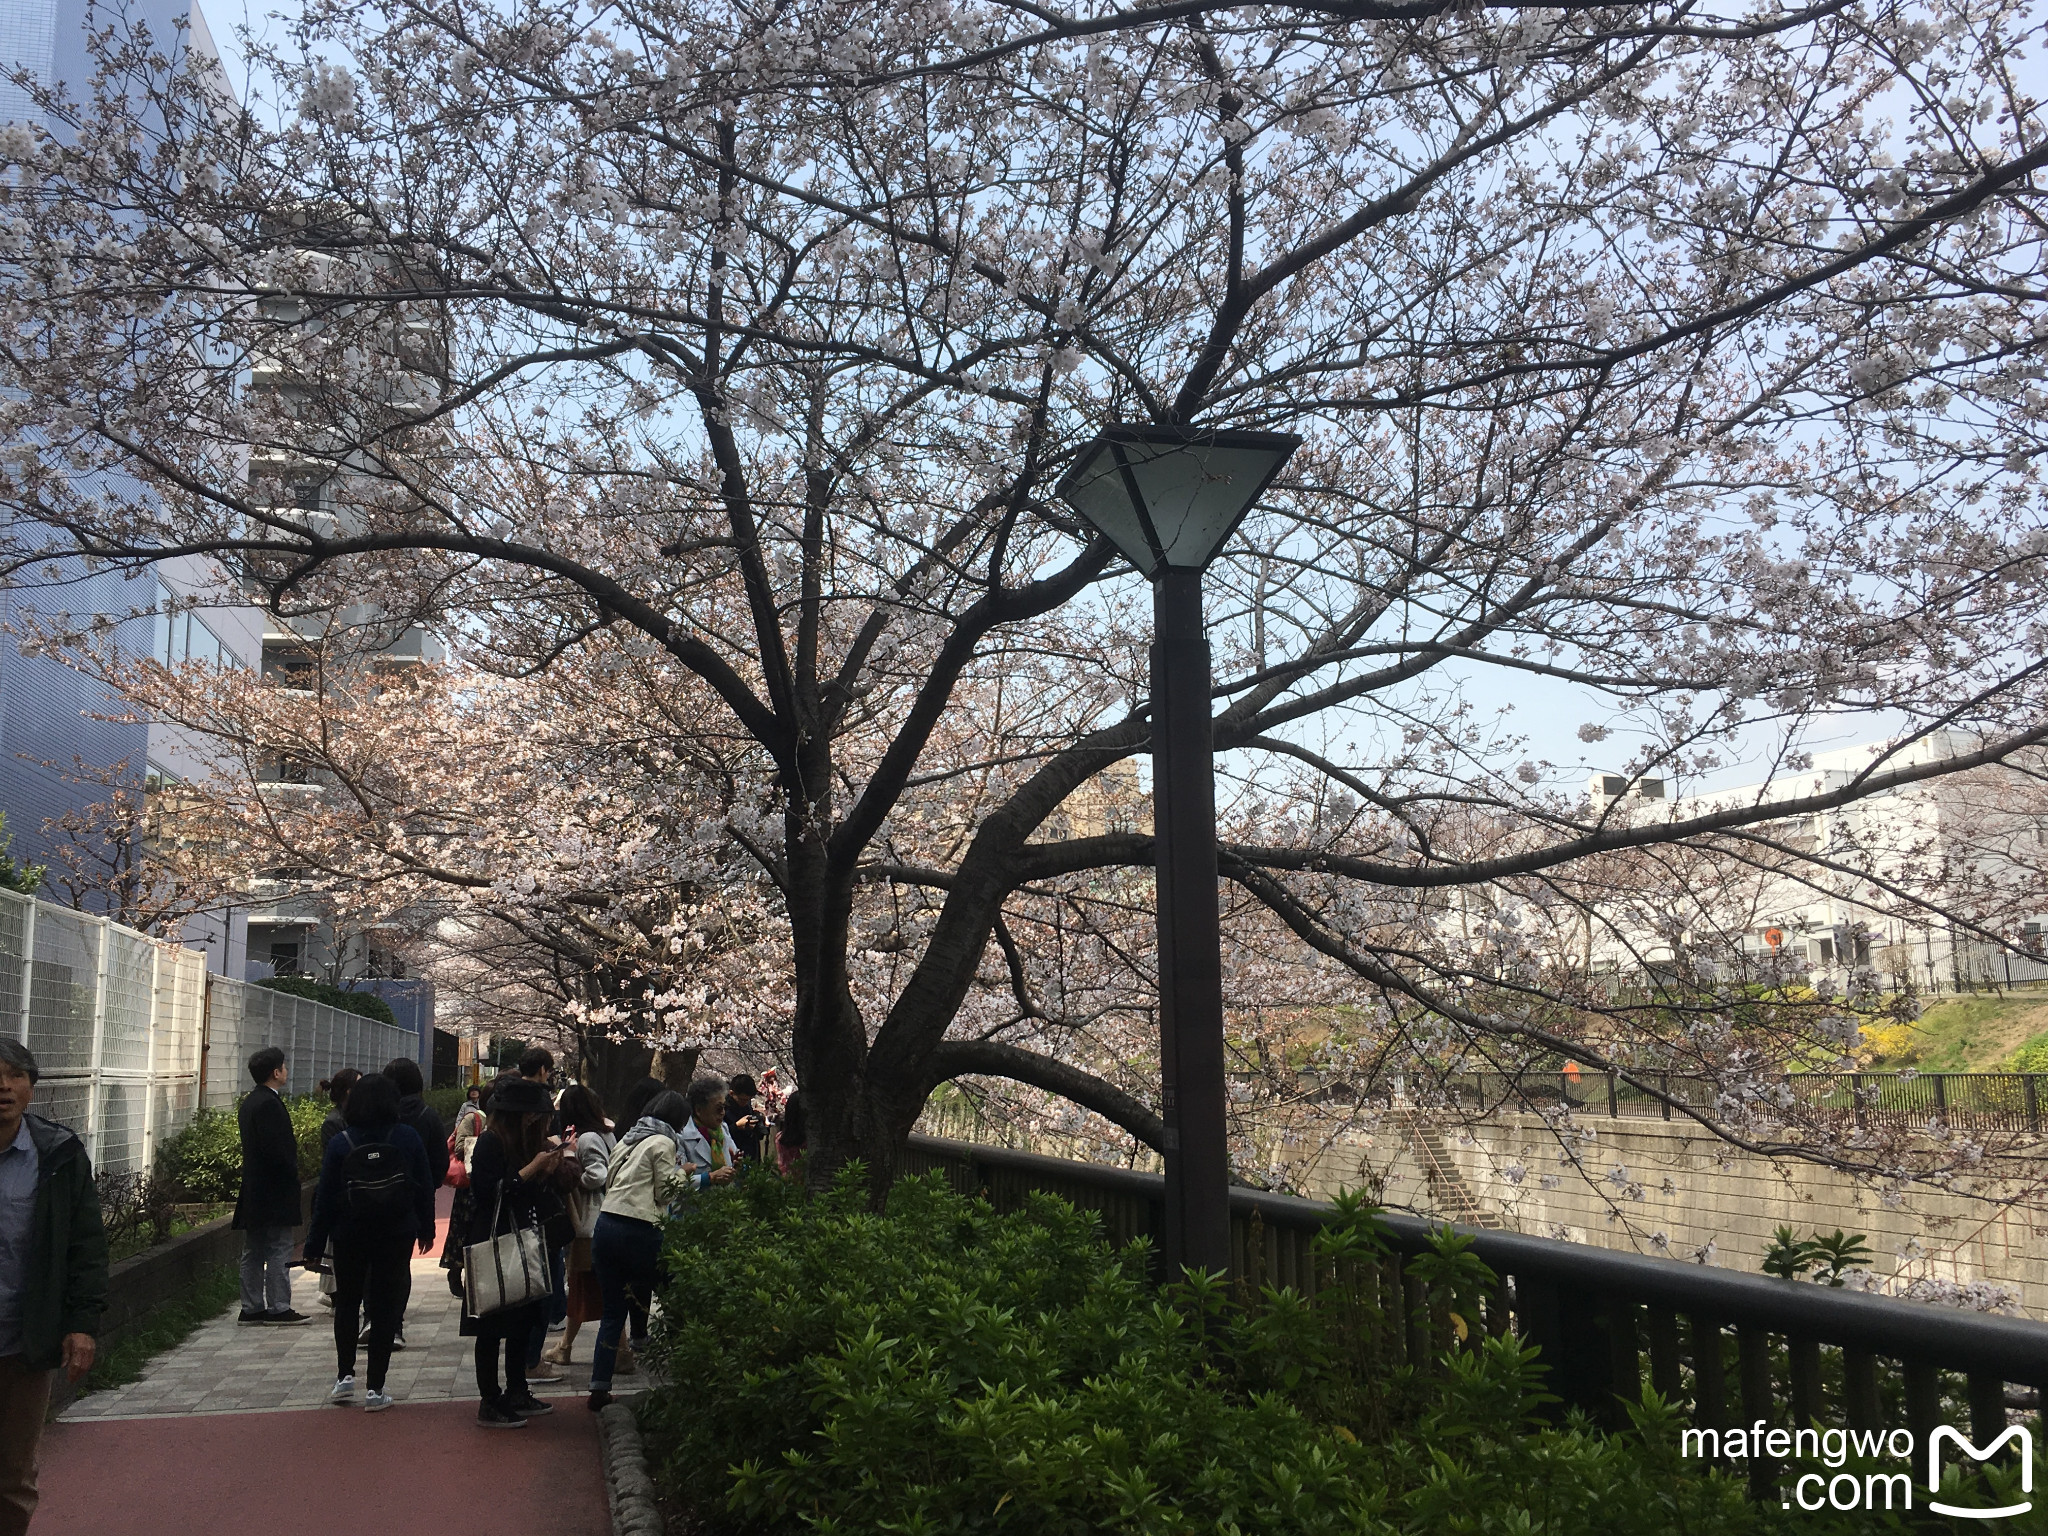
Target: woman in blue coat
375, 1201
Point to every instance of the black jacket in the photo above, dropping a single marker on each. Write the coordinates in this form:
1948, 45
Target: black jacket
270, 1163
65, 1287
419, 1114
331, 1216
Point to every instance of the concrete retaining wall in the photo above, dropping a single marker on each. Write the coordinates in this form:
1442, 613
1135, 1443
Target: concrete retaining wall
1677, 1192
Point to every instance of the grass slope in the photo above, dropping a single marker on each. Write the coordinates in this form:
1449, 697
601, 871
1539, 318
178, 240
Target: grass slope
1973, 1034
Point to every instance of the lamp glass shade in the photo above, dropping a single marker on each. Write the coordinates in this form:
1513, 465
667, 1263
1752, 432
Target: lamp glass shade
1169, 497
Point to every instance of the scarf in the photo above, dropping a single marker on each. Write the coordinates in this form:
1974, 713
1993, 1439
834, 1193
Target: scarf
648, 1125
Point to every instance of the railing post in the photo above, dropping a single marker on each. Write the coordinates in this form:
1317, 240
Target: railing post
1941, 1095
2033, 1103
1665, 1084
1803, 1355
1754, 1365
96, 1134
1613, 1099
1665, 1377
1864, 1408
1709, 1375
1856, 1097
1624, 1360
156, 971
28, 964
1987, 1406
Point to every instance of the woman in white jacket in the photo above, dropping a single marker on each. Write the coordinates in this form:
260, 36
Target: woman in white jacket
644, 1174
581, 1112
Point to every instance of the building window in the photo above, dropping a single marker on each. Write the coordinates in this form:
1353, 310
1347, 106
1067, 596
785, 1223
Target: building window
285, 956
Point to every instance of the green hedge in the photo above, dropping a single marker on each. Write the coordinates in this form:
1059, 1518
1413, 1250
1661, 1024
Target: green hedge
368, 1005
204, 1160
941, 1368
446, 1101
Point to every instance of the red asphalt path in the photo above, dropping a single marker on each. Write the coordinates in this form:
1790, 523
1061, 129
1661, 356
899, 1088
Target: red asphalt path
418, 1469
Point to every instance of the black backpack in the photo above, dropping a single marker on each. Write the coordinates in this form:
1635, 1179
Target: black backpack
376, 1186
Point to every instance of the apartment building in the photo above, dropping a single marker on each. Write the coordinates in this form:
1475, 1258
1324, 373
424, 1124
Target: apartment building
1936, 885
66, 741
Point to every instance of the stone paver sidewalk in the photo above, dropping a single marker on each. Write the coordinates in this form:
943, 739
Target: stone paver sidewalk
229, 1367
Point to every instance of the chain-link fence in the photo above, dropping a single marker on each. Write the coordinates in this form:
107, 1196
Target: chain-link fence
131, 1034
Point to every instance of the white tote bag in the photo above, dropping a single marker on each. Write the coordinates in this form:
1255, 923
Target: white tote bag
510, 1270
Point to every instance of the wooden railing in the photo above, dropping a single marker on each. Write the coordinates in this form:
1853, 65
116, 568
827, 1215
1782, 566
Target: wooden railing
1738, 1348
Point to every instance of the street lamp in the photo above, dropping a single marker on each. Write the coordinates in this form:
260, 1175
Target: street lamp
1168, 498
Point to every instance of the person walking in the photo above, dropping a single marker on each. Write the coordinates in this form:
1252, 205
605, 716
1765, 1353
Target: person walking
337, 1089
582, 1113
375, 1200
267, 1209
742, 1119
53, 1275
646, 1172
510, 1165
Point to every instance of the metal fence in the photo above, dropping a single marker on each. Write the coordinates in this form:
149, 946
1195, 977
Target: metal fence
1729, 1348
131, 1034
1975, 1101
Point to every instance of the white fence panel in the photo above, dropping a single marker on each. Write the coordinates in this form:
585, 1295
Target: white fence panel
126, 1029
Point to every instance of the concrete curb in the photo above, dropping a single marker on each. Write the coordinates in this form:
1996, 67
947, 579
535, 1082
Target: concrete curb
626, 1479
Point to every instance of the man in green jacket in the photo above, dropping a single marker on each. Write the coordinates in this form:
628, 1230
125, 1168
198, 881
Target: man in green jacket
53, 1275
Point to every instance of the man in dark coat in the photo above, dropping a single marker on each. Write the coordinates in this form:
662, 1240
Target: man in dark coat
268, 1209
53, 1275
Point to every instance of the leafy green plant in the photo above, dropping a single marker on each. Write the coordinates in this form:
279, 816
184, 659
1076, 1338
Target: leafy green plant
1830, 1258
204, 1160
1836, 1255
17, 874
940, 1367
1789, 1255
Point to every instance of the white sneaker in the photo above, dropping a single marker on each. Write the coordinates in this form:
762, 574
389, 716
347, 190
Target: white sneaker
376, 1402
344, 1389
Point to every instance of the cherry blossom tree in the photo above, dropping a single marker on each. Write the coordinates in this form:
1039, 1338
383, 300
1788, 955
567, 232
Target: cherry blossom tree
1679, 366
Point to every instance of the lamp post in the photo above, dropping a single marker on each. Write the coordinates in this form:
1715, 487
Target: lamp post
1168, 498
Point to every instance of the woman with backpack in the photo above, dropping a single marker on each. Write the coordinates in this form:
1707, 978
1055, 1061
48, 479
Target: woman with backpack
647, 1171
510, 1169
375, 1200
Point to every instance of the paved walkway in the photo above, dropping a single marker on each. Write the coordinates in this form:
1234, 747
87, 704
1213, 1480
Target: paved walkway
232, 1432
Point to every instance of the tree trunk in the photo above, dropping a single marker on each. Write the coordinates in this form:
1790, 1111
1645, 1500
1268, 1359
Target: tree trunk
612, 1067
677, 1068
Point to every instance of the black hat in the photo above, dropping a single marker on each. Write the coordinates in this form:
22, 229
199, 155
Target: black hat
520, 1096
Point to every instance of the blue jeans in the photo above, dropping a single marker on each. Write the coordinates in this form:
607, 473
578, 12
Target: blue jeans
628, 1258
267, 1269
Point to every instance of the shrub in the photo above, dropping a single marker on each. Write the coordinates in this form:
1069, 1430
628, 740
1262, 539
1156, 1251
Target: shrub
204, 1160
366, 1004
943, 1368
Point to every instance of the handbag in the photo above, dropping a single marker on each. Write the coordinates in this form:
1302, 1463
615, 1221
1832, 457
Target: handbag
458, 1171
509, 1269
558, 1227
